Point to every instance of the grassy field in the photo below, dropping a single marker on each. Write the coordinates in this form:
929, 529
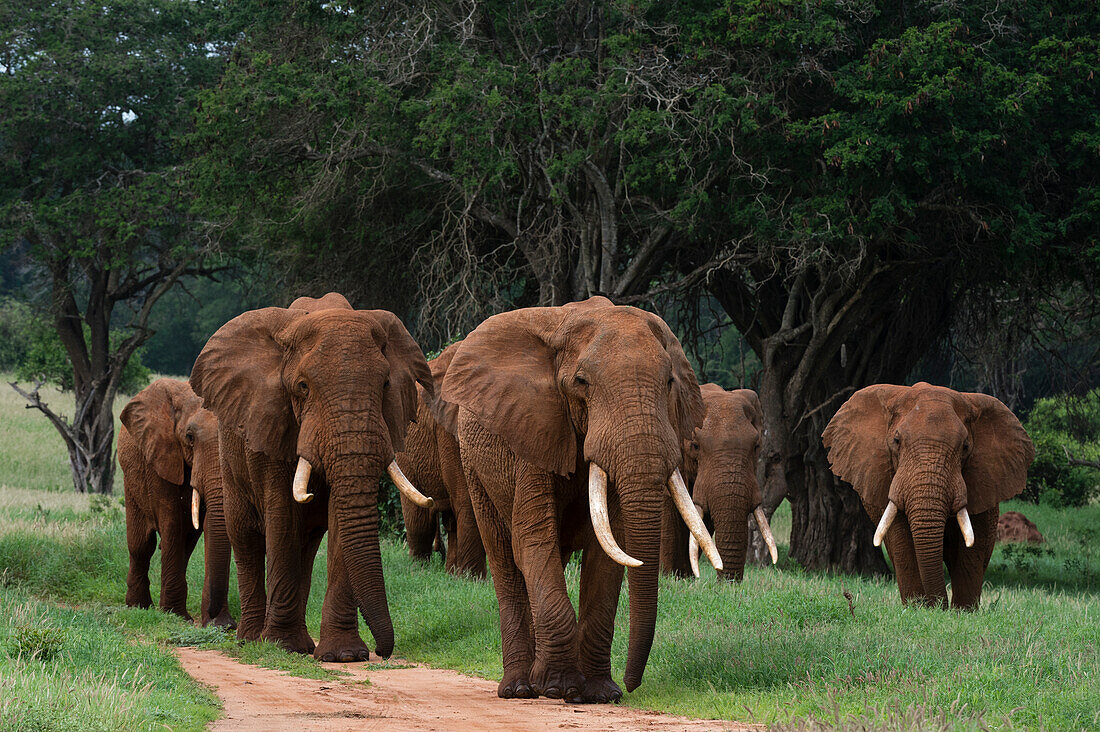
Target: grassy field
784, 647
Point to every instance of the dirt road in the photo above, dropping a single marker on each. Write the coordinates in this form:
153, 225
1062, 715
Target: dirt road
416, 698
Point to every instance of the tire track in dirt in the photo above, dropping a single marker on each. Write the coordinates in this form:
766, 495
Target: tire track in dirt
414, 698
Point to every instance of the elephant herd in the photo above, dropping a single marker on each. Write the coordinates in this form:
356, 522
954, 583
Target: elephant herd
545, 432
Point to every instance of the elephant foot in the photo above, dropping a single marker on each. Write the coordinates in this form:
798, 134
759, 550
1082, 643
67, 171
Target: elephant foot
598, 690
343, 648
293, 641
515, 686
223, 620
182, 613
557, 683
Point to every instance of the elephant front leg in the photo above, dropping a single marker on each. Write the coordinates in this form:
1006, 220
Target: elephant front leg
516, 640
176, 543
601, 579
285, 621
966, 565
537, 546
339, 639
903, 555
141, 540
249, 553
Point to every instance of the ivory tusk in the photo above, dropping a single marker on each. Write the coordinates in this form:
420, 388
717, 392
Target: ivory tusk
407, 488
300, 487
766, 532
693, 554
884, 523
195, 507
963, 517
694, 521
601, 524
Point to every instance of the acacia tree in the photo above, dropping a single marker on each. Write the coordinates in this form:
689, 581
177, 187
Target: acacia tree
93, 188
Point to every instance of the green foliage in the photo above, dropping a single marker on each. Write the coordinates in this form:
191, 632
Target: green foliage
39, 643
1060, 427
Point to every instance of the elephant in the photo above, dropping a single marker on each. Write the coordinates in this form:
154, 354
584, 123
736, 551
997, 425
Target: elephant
551, 406
931, 466
172, 485
431, 461
720, 469
313, 401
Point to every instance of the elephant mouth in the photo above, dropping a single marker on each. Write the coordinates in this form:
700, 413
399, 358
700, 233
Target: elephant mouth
601, 523
300, 486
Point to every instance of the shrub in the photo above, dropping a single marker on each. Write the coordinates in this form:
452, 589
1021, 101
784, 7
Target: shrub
42, 643
1058, 425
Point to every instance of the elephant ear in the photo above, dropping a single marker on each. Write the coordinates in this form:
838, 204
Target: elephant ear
753, 411
238, 374
856, 439
504, 374
1000, 454
445, 413
686, 405
152, 418
407, 369
328, 301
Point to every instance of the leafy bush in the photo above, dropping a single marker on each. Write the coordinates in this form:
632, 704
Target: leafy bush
30, 347
1058, 425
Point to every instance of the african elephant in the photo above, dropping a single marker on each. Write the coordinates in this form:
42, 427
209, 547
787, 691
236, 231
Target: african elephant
313, 401
431, 461
931, 466
551, 405
168, 449
720, 469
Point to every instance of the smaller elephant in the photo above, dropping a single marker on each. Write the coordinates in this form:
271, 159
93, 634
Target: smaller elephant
431, 461
720, 467
931, 466
172, 483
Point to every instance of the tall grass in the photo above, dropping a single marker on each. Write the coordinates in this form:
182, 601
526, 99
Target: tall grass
785, 647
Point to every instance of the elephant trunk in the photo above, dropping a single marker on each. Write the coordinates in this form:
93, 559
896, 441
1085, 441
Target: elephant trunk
926, 507
730, 520
641, 501
353, 517
216, 550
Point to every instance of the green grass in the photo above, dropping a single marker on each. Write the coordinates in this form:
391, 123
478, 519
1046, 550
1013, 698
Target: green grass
782, 648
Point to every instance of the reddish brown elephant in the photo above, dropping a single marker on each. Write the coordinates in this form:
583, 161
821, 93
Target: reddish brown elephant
168, 450
313, 402
431, 461
931, 466
570, 422
720, 470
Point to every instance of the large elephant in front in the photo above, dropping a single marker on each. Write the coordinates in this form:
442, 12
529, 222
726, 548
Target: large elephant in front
720, 470
172, 485
570, 422
313, 402
931, 466
431, 461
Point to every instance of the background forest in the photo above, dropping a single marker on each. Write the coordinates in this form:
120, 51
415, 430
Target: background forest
816, 195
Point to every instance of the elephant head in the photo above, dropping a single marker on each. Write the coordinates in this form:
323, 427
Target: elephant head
157, 419
596, 389
722, 454
934, 455
328, 389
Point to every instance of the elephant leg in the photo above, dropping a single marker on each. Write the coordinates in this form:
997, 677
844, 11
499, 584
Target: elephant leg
537, 547
339, 639
175, 546
903, 555
465, 553
601, 580
967, 565
141, 540
674, 542
249, 554
517, 642
285, 620
420, 529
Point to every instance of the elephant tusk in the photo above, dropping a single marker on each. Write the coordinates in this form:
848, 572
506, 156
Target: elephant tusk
884, 523
601, 524
407, 488
963, 517
693, 554
766, 532
694, 521
301, 481
195, 507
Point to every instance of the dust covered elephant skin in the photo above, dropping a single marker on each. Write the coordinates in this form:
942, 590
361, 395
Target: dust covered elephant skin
720, 463
570, 422
313, 401
431, 461
931, 466
168, 450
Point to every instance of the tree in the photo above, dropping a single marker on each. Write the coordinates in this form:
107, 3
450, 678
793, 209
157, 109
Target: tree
93, 187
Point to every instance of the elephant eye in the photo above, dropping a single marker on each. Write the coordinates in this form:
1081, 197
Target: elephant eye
897, 439
580, 380
303, 387
386, 384
191, 438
